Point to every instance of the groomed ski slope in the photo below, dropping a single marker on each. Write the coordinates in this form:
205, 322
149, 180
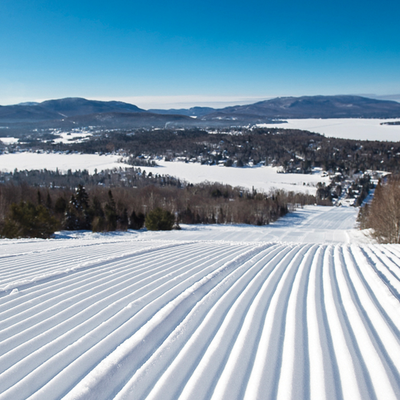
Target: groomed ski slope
306, 308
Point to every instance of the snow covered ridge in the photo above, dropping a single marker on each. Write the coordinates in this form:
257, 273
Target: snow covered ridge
205, 312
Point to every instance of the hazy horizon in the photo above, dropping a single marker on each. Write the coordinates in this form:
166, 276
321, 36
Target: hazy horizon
230, 50
182, 102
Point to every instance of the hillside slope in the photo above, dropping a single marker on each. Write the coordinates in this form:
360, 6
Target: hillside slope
70, 113
313, 107
61, 108
147, 315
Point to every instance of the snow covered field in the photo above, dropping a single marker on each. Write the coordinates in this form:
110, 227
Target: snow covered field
261, 178
346, 128
306, 308
9, 140
64, 162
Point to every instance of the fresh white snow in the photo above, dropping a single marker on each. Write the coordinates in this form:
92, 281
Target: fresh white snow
64, 162
72, 137
9, 140
306, 308
260, 177
345, 128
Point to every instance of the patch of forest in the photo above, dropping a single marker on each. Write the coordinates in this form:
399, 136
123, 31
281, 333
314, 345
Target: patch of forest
295, 150
121, 200
382, 215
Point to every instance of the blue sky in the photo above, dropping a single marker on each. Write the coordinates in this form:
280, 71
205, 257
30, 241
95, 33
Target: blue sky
157, 52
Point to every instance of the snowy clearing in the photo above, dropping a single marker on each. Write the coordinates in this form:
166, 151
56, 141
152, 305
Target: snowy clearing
72, 137
306, 308
64, 162
346, 128
261, 178
8, 140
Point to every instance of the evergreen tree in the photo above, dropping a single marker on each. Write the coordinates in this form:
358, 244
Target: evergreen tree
77, 214
60, 206
111, 215
49, 203
27, 220
99, 221
71, 222
159, 220
82, 198
136, 221
124, 220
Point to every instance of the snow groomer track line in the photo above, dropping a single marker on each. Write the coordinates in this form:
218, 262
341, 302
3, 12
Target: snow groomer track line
141, 317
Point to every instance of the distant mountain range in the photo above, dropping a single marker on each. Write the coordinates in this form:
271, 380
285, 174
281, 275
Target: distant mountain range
61, 109
72, 112
190, 112
314, 107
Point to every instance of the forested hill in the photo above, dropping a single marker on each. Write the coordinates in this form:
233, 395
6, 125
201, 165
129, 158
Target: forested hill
314, 107
78, 112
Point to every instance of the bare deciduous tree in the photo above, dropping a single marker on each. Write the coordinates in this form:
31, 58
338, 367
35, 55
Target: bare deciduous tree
383, 215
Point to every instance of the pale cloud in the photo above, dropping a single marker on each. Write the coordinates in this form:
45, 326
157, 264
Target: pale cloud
187, 101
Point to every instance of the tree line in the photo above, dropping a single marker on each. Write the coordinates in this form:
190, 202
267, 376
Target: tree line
382, 215
40, 211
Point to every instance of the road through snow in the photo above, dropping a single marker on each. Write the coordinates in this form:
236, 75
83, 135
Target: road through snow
307, 308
